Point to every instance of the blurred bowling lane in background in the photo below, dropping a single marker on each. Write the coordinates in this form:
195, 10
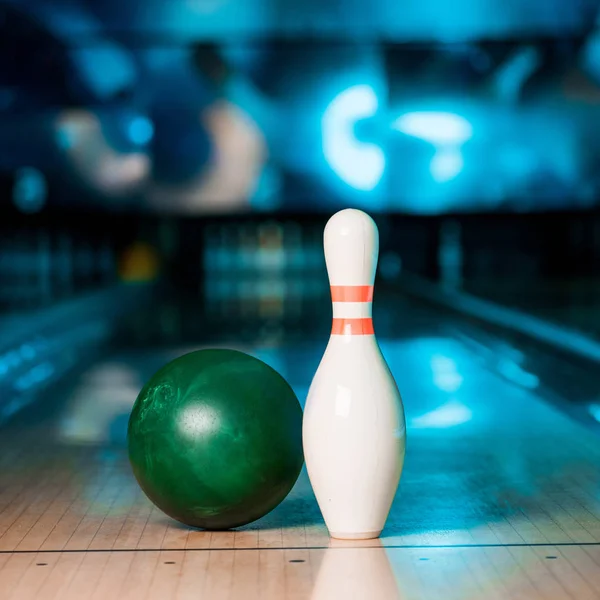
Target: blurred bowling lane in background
260, 285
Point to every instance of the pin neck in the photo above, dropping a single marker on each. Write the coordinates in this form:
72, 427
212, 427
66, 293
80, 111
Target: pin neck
342, 326
352, 293
352, 309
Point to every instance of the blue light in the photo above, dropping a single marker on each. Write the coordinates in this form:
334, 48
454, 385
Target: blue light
34, 376
515, 373
141, 130
446, 164
451, 414
445, 374
30, 190
105, 67
359, 164
435, 127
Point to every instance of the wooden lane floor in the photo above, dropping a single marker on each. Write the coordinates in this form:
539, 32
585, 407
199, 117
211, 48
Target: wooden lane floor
324, 574
500, 497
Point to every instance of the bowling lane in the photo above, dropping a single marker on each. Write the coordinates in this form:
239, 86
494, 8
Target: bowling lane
489, 460
315, 574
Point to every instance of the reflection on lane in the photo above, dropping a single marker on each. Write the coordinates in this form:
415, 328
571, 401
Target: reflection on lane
446, 384
348, 572
453, 573
98, 406
100, 403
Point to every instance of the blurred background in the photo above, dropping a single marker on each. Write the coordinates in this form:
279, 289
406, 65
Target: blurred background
167, 167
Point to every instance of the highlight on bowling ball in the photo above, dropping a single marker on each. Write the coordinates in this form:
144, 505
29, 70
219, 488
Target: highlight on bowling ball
215, 439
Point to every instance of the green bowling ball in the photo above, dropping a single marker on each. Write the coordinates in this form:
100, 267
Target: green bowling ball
215, 439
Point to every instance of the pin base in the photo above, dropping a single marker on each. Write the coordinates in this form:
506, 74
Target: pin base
368, 535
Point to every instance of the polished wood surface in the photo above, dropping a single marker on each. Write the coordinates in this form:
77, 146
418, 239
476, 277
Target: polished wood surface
500, 497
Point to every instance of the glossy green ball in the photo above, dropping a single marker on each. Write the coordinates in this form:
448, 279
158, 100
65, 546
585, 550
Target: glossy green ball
215, 439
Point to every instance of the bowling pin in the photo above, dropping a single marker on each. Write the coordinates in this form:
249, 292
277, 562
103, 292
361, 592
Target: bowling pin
354, 430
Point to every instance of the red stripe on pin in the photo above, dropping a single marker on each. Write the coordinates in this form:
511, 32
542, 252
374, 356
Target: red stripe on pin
352, 293
352, 327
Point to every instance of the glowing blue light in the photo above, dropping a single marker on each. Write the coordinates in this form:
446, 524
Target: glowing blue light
30, 190
449, 415
34, 376
446, 164
141, 130
68, 134
445, 373
513, 372
359, 164
105, 67
435, 127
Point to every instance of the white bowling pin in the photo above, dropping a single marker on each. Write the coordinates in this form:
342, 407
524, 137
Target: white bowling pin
354, 429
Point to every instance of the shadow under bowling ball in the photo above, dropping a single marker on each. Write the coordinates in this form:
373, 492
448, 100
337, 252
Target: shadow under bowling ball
293, 512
